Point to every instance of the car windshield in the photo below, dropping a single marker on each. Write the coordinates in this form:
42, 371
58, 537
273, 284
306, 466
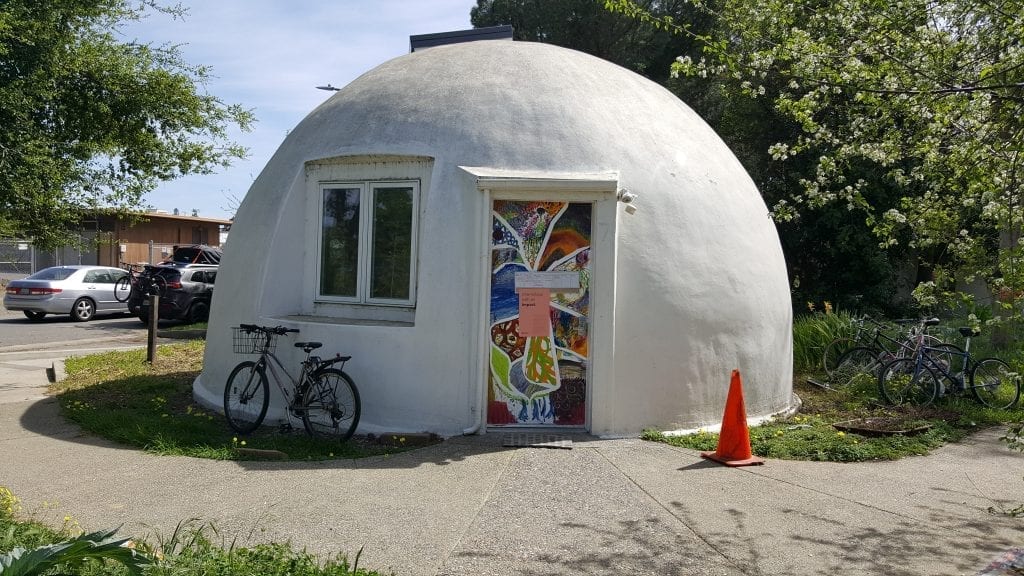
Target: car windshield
56, 273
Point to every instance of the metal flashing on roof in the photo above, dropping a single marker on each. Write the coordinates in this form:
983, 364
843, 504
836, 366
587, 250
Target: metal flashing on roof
421, 41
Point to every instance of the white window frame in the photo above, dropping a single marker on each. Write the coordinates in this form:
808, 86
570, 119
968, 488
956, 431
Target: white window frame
367, 190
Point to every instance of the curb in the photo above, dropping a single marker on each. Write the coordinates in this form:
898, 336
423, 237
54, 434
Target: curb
55, 373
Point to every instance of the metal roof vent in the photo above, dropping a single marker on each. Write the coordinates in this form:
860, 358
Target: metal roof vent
423, 41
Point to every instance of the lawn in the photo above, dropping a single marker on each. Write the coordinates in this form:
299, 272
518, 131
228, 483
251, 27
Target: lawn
121, 397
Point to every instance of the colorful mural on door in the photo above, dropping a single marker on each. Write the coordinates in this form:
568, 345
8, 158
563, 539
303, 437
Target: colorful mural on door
539, 380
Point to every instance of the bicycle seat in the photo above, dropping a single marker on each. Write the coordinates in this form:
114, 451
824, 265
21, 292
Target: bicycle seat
308, 347
967, 331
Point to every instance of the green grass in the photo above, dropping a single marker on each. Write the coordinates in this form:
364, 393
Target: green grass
810, 435
119, 396
186, 326
192, 550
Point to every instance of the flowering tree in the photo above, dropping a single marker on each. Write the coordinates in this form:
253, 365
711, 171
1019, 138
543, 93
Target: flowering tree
923, 97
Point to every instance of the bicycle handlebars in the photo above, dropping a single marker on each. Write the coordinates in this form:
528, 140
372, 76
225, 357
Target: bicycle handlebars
278, 330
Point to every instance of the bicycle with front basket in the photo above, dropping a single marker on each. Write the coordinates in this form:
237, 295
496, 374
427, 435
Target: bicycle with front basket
324, 397
922, 378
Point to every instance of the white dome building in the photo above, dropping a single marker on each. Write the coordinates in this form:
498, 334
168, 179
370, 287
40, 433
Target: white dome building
512, 234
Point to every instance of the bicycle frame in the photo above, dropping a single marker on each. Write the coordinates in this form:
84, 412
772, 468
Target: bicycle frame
298, 384
957, 378
902, 348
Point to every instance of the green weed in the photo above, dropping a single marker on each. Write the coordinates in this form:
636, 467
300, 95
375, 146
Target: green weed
810, 435
813, 332
192, 550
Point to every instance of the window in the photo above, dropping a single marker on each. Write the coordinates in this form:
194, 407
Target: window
367, 244
98, 277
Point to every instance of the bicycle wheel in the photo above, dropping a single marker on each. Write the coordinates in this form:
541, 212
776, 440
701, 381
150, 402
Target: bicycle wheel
123, 288
246, 397
857, 365
903, 382
833, 352
994, 384
331, 406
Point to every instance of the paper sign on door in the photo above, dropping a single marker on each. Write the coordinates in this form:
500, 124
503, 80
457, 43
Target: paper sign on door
534, 312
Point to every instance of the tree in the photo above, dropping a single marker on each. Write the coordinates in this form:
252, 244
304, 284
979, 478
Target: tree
927, 98
586, 26
92, 122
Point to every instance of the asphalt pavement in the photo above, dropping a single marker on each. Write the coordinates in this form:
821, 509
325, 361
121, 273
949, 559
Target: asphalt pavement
469, 505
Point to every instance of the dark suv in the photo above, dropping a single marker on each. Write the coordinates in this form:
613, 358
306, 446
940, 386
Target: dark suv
185, 291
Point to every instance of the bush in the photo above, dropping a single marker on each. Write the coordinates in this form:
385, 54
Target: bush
813, 332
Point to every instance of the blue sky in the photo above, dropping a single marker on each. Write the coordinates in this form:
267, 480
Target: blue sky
269, 55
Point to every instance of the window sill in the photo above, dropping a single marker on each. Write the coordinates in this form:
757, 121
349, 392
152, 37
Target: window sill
345, 321
358, 314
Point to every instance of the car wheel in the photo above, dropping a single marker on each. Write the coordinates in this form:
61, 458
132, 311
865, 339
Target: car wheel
144, 318
198, 312
33, 315
83, 310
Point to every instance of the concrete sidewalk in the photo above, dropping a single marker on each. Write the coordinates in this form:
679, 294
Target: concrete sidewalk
470, 506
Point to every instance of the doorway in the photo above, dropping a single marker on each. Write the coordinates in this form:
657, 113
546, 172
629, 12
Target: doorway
539, 316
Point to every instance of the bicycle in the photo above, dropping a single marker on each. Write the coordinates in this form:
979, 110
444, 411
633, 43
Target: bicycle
325, 398
138, 281
863, 363
916, 380
879, 342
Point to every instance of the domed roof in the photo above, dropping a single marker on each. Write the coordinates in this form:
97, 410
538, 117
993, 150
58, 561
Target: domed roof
510, 103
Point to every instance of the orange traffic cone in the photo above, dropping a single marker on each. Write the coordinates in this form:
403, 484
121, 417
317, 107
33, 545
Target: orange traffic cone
734, 439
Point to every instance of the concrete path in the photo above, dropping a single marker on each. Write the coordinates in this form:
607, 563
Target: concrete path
470, 506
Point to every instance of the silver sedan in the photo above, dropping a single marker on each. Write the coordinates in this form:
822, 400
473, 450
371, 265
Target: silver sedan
81, 291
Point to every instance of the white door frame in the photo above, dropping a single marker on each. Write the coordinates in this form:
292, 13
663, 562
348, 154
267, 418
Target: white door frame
598, 189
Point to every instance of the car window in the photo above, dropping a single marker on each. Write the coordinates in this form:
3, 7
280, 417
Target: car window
55, 273
168, 274
97, 277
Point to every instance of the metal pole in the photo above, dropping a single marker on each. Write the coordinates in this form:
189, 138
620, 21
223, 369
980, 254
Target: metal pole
154, 317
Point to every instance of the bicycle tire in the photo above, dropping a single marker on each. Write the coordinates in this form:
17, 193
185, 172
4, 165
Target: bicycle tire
331, 408
857, 364
833, 352
902, 381
246, 397
123, 289
994, 383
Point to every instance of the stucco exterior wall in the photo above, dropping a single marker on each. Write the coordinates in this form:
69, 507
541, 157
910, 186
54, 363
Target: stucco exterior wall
700, 283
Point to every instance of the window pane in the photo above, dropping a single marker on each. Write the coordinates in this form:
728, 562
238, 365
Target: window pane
339, 252
392, 242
